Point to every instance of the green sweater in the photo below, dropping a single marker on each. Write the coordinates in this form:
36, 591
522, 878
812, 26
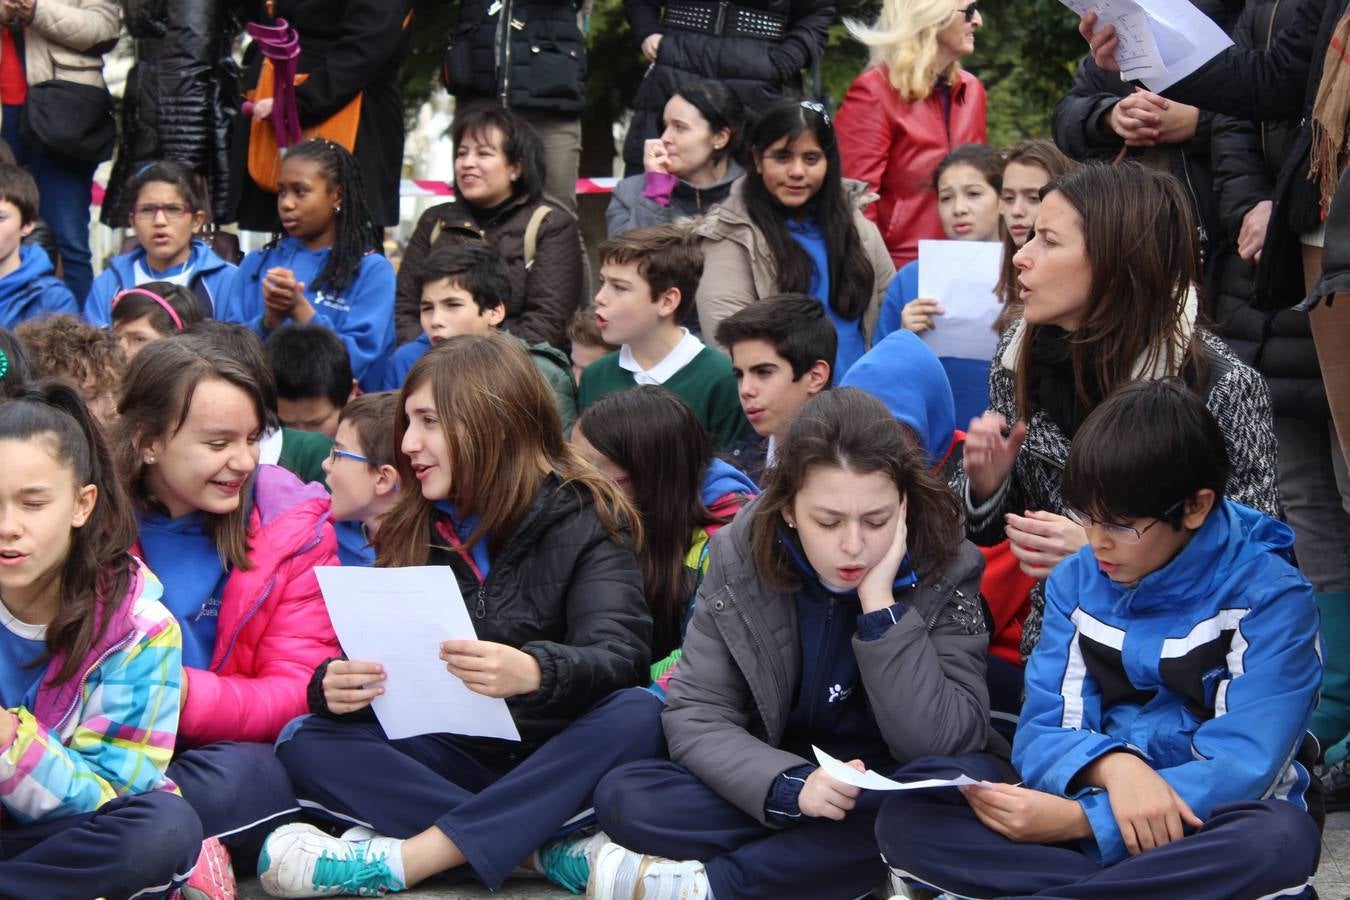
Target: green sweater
303, 453
707, 384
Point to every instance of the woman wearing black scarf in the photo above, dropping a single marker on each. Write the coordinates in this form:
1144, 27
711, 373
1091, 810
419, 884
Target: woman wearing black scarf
1109, 283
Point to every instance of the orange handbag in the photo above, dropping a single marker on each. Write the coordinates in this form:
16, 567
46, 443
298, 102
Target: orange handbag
264, 156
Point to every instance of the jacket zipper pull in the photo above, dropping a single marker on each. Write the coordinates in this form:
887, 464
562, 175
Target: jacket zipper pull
480, 611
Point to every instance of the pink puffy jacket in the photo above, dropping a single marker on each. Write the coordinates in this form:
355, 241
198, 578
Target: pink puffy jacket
273, 629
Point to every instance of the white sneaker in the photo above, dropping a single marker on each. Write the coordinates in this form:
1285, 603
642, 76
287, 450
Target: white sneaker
302, 861
567, 861
621, 874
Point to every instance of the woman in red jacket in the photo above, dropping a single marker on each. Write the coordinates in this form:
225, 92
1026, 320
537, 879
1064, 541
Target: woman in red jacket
907, 111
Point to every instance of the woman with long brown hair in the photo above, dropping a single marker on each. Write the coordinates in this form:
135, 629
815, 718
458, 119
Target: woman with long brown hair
541, 545
1108, 282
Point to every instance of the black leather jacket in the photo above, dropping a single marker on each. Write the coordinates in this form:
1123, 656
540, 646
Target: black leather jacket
528, 54
181, 96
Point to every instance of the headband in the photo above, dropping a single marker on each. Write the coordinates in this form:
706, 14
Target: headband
164, 304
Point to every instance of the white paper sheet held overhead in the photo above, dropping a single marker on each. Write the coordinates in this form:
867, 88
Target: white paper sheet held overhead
961, 275
875, 781
1161, 41
398, 618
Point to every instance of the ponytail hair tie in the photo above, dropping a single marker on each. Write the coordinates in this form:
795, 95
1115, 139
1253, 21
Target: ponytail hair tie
164, 304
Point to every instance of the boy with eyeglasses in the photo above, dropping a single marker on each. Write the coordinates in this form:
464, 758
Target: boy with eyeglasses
27, 287
1163, 749
361, 473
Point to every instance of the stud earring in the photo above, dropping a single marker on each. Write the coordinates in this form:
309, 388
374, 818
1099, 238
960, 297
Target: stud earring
337, 209
149, 460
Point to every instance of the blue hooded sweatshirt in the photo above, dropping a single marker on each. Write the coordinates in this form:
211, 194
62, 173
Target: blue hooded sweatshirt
362, 315
969, 378
904, 374
31, 290
1208, 669
723, 478
210, 278
852, 343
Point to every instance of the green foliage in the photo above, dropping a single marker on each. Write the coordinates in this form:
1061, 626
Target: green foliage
1025, 56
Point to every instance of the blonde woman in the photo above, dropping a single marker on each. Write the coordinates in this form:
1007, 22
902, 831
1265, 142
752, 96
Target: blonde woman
903, 114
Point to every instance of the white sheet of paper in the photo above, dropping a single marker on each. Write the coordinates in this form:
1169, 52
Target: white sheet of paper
398, 618
1161, 41
961, 275
875, 781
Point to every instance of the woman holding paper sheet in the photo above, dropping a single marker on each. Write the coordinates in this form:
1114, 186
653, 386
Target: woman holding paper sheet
967, 183
793, 225
235, 545
1108, 282
840, 610
904, 114
541, 546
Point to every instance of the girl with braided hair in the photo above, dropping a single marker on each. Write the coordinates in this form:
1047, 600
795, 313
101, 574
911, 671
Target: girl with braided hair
327, 266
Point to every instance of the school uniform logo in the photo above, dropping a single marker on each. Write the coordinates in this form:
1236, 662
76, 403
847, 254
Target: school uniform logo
839, 693
323, 298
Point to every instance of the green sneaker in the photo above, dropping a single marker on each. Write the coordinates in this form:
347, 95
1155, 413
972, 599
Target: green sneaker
567, 861
302, 861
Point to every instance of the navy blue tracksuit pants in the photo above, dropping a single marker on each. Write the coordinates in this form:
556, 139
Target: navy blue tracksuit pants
1258, 848
142, 845
240, 792
663, 809
497, 810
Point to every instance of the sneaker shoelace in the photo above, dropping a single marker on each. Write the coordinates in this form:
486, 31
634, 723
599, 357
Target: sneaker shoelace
566, 865
358, 873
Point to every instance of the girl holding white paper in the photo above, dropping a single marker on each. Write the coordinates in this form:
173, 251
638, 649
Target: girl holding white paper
541, 545
967, 182
840, 610
235, 545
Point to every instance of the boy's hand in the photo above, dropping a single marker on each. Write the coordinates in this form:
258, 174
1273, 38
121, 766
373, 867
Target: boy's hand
1147, 810
1041, 540
1103, 42
349, 685
492, 669
823, 797
1026, 816
9, 726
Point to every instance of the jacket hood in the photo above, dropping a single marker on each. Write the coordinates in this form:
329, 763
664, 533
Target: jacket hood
33, 264
1231, 537
287, 513
723, 478
202, 259
905, 375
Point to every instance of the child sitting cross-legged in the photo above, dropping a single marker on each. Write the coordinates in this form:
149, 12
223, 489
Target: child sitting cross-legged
648, 279
1167, 703
361, 473
464, 289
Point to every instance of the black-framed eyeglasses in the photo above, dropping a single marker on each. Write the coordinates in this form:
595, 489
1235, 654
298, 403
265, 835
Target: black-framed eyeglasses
970, 12
1125, 534
335, 454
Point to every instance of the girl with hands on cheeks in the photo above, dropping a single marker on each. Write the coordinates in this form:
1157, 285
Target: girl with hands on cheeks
541, 546
1107, 281
326, 265
840, 610
1134, 775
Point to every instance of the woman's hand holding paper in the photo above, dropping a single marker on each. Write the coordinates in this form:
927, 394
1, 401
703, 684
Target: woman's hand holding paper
492, 669
350, 685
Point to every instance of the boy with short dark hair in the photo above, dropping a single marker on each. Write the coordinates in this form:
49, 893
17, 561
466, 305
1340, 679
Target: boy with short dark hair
588, 344
27, 287
464, 289
313, 374
361, 473
782, 354
648, 279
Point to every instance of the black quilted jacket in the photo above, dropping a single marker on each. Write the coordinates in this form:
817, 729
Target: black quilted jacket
538, 62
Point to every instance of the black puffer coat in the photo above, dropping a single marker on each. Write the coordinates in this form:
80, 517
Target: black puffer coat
181, 96
541, 65
346, 47
564, 592
1248, 157
759, 71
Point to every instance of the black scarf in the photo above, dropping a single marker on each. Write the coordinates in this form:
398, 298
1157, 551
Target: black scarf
1052, 386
